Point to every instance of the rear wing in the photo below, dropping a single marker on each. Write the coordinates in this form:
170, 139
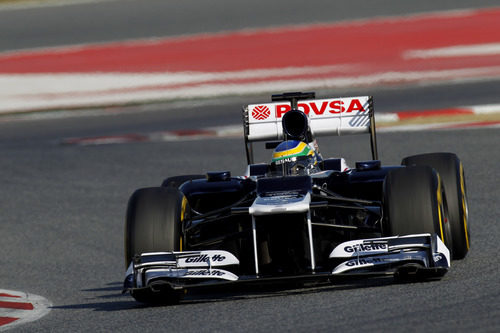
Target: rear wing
332, 116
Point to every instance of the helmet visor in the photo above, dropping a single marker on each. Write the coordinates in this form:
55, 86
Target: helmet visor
294, 166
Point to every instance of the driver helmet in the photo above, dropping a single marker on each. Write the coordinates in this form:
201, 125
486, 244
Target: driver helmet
294, 157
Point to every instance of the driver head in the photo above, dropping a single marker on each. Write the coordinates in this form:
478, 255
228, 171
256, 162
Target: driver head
294, 157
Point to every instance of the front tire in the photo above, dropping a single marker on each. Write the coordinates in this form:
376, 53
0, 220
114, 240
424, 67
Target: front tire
153, 224
413, 203
451, 172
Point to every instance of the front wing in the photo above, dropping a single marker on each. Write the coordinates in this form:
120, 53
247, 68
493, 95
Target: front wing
421, 255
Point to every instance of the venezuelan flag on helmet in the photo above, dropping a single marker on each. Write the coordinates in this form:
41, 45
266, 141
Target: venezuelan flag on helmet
291, 148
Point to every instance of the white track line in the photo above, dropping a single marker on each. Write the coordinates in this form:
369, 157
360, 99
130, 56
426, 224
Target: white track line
455, 51
30, 4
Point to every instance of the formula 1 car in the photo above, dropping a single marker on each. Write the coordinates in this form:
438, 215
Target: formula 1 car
301, 216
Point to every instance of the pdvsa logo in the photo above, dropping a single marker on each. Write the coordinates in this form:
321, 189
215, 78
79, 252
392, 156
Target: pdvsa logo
325, 107
261, 112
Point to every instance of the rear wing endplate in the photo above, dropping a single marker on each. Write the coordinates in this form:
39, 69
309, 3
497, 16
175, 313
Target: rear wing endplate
332, 116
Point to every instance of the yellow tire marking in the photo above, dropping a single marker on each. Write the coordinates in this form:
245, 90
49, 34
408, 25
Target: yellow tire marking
440, 204
464, 206
183, 214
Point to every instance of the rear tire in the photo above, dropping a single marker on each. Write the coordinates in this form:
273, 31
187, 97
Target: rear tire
413, 203
451, 172
153, 224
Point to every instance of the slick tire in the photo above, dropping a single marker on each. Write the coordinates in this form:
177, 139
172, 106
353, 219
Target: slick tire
413, 203
177, 181
451, 172
153, 224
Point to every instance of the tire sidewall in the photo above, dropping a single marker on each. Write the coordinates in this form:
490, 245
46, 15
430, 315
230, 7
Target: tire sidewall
451, 171
154, 221
413, 203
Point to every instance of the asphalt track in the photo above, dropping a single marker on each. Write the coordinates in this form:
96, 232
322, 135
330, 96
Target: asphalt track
62, 210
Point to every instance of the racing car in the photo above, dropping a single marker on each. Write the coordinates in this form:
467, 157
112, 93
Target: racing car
300, 216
